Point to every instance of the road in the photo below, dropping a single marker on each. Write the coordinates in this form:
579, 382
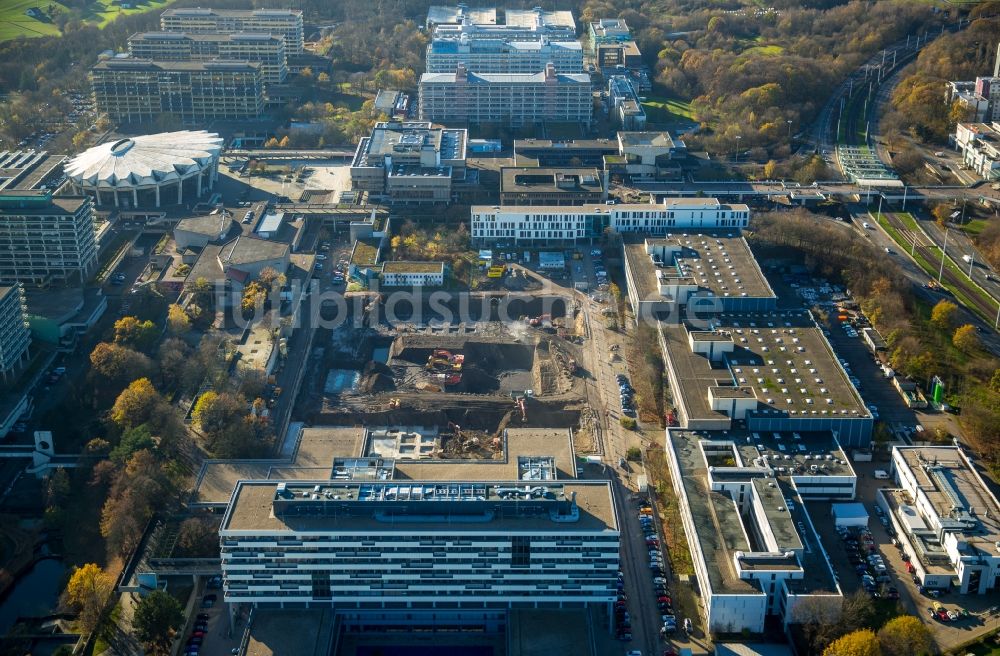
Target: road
908, 265
601, 366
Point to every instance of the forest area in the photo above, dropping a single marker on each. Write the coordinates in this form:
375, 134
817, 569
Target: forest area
759, 75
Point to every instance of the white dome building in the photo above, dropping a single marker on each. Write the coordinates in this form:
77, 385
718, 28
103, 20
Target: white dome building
148, 170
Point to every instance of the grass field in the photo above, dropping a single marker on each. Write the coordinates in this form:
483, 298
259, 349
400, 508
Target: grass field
665, 110
14, 22
765, 51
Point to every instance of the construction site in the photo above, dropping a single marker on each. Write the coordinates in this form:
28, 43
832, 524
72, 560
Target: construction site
470, 379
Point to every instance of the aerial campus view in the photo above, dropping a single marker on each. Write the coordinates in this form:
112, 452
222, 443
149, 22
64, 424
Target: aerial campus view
393, 329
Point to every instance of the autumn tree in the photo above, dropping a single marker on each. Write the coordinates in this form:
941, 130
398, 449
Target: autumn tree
119, 364
156, 618
141, 335
136, 403
941, 213
943, 315
966, 339
905, 636
143, 486
178, 321
88, 591
857, 643
198, 538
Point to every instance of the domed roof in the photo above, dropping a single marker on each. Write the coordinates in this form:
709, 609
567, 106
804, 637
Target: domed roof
145, 160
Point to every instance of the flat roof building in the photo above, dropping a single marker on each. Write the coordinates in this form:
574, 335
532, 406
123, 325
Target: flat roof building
553, 224
267, 50
569, 152
503, 55
608, 30
980, 147
756, 552
140, 90
787, 375
625, 105
535, 538
669, 272
540, 19
30, 169
15, 336
460, 14
412, 274
946, 517
551, 186
506, 99
46, 239
410, 162
283, 23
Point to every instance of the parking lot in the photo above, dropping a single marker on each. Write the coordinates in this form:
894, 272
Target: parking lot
978, 615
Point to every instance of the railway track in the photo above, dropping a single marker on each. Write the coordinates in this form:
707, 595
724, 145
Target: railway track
919, 245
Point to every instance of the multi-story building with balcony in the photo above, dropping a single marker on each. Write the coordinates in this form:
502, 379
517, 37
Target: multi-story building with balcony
507, 99
265, 49
46, 239
284, 23
14, 333
420, 545
138, 90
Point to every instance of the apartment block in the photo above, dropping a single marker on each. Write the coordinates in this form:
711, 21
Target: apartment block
283, 23
980, 146
541, 225
46, 239
15, 336
503, 55
410, 162
946, 519
137, 90
508, 99
265, 49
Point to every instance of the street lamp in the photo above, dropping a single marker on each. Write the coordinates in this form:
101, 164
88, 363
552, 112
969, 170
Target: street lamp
737, 153
789, 121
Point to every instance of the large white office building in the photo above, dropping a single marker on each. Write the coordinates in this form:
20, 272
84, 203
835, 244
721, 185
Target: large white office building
946, 519
46, 239
756, 552
506, 99
503, 55
413, 544
541, 225
284, 23
267, 50
979, 144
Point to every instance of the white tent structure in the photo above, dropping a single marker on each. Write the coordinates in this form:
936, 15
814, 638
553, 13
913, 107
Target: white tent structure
148, 170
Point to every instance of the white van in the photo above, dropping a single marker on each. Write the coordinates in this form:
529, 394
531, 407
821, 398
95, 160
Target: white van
881, 474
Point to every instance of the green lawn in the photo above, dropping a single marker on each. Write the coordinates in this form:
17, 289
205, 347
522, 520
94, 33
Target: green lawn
664, 110
974, 227
14, 22
764, 51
